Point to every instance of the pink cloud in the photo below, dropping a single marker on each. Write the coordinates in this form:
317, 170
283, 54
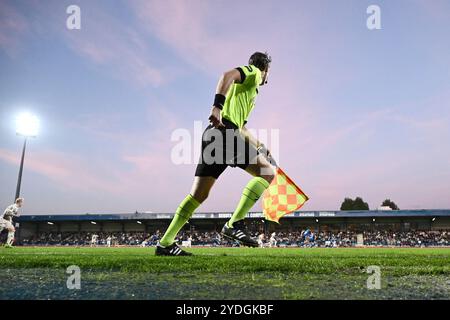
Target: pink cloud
68, 171
13, 26
140, 170
187, 27
106, 41
130, 58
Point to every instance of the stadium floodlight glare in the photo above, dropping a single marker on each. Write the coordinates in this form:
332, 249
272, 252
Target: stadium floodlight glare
27, 125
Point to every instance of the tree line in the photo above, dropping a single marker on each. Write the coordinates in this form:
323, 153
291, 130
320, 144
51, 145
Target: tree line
358, 204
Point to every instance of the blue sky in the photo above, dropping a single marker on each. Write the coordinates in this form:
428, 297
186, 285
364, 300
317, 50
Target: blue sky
360, 112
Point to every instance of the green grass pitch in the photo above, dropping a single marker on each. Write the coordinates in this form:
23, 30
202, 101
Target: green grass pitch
225, 273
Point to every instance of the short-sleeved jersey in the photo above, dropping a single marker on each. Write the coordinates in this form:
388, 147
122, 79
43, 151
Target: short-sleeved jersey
10, 212
241, 96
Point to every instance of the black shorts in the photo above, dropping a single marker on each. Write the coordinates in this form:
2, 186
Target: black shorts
222, 148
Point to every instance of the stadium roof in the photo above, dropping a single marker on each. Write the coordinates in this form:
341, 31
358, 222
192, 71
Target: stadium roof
224, 215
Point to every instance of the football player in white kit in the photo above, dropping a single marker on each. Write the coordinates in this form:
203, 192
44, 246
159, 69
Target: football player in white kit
6, 220
94, 240
261, 240
108, 241
272, 241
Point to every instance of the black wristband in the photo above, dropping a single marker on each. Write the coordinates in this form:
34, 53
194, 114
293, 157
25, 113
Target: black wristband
219, 101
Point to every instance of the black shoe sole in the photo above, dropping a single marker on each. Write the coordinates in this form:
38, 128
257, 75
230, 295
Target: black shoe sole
247, 244
171, 255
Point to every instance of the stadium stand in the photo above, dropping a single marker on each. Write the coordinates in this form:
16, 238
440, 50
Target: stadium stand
415, 228
284, 239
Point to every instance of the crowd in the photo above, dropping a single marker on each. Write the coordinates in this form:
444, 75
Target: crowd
304, 238
409, 239
85, 238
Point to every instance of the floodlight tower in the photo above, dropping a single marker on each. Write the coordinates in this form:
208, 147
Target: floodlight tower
27, 125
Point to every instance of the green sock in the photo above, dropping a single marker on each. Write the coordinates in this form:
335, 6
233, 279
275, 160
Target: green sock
182, 215
252, 191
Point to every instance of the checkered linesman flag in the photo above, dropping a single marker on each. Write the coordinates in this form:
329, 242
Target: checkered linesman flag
282, 197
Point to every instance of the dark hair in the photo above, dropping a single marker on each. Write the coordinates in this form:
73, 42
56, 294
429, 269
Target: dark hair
260, 60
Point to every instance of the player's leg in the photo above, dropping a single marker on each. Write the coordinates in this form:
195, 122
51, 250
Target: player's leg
206, 175
263, 173
11, 232
2, 224
199, 192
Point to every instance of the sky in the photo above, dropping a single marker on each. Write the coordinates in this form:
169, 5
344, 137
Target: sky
360, 112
